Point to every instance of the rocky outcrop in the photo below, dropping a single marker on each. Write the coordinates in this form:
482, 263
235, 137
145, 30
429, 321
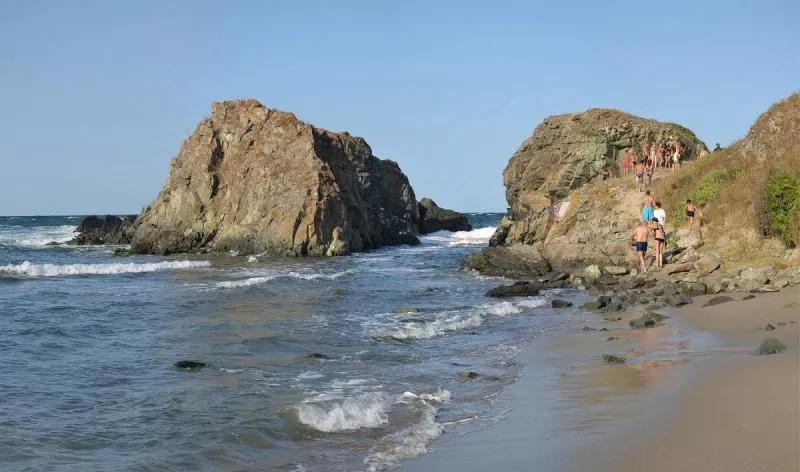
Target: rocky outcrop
110, 229
257, 180
552, 204
432, 218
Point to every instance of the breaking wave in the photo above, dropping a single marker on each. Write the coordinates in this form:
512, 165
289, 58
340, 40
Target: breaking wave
29, 269
424, 329
35, 237
476, 237
294, 275
364, 411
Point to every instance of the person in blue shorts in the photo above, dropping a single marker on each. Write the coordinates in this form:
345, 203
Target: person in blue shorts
647, 206
639, 240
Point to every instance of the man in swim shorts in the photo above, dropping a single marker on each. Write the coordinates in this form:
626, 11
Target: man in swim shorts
639, 170
639, 238
647, 206
691, 209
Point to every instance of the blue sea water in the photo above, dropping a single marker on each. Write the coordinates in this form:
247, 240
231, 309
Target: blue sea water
88, 341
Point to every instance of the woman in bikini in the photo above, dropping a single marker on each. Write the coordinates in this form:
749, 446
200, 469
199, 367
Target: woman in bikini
691, 209
660, 236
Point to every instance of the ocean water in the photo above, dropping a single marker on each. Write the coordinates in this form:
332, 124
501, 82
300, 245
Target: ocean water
88, 342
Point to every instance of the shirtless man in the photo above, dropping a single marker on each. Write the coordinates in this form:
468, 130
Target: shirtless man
647, 207
639, 240
639, 171
660, 236
691, 209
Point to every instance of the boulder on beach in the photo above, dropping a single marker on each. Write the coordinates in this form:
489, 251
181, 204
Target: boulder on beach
524, 288
771, 346
516, 262
432, 218
558, 303
110, 229
257, 180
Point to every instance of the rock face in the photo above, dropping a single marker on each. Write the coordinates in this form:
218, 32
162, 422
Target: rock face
257, 180
432, 218
110, 229
567, 152
559, 202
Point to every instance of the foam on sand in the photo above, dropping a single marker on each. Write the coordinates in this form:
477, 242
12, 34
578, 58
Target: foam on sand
412, 441
30, 269
364, 411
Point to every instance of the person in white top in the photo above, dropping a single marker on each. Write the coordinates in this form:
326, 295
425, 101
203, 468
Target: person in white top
661, 215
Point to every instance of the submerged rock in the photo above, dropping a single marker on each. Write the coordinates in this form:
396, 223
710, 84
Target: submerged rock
557, 303
190, 365
257, 180
316, 355
678, 300
771, 346
521, 289
613, 360
648, 320
432, 218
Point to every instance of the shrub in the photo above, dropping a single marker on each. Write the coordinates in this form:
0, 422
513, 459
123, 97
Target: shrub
782, 206
706, 190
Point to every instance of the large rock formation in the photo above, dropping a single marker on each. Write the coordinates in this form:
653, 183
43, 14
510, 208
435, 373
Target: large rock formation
432, 218
547, 182
110, 229
253, 180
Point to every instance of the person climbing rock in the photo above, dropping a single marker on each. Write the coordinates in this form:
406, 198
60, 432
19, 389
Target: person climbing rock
639, 242
691, 210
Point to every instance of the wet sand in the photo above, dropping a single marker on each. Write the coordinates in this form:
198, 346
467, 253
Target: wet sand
692, 395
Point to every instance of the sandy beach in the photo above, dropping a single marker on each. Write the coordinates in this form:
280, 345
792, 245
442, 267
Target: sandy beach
692, 395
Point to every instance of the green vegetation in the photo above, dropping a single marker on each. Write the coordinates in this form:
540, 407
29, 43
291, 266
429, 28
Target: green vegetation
782, 205
706, 190
685, 131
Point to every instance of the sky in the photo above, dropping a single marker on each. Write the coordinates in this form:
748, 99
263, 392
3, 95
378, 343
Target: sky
97, 96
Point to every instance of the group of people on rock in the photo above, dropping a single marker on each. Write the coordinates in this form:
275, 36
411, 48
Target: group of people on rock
653, 223
667, 154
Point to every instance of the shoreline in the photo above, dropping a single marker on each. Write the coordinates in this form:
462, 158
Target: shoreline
692, 396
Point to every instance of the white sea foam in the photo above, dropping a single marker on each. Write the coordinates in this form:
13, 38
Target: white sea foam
29, 269
252, 259
268, 277
412, 441
37, 236
531, 302
476, 237
454, 321
369, 410
502, 309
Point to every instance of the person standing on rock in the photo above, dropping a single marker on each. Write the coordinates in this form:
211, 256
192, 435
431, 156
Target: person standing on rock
691, 209
661, 215
660, 236
639, 239
647, 207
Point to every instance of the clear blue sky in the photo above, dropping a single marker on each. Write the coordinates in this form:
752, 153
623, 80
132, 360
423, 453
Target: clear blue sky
96, 96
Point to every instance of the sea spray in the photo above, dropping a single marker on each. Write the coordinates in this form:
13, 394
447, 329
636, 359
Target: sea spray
30, 269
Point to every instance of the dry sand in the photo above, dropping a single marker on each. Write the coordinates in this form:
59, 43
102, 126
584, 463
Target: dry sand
739, 412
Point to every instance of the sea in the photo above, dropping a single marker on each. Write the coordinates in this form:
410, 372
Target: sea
353, 363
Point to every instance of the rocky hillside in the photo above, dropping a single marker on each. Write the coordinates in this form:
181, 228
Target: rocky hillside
257, 180
565, 210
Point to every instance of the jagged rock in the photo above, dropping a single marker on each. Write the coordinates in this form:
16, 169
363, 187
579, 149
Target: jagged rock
708, 263
258, 180
613, 360
523, 289
694, 288
718, 300
615, 270
780, 283
516, 262
678, 300
689, 239
432, 218
769, 327
771, 346
630, 283
110, 229
190, 365
755, 275
663, 289
592, 272
716, 286
560, 303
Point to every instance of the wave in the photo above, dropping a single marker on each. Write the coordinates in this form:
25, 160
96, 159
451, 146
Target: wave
412, 441
295, 275
29, 269
369, 410
476, 237
429, 329
36, 236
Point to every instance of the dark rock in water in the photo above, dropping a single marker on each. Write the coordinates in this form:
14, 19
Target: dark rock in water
53, 243
560, 303
190, 365
523, 289
522, 282
517, 262
556, 276
748, 297
587, 328
110, 229
593, 305
718, 300
648, 320
604, 299
769, 327
612, 338
613, 306
316, 355
613, 360
771, 346
432, 218
472, 375
603, 330
120, 252
678, 300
